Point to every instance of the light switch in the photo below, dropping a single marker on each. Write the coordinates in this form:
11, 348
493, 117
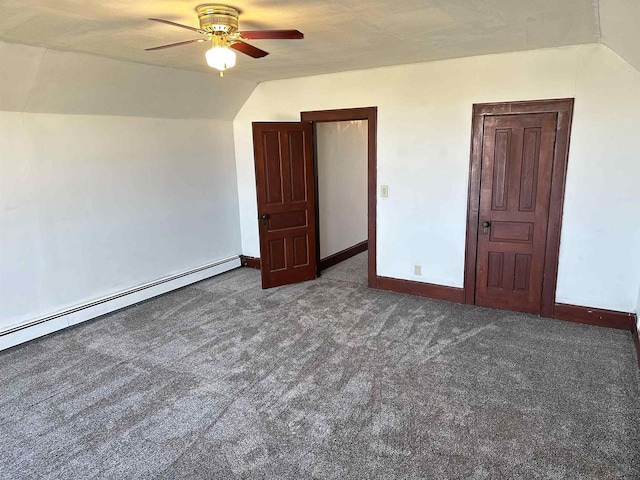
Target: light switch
417, 270
384, 191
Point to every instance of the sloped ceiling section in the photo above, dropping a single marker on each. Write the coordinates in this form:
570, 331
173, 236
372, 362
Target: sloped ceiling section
34, 79
620, 28
340, 35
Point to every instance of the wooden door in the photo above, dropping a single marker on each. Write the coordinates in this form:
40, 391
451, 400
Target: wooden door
517, 164
286, 203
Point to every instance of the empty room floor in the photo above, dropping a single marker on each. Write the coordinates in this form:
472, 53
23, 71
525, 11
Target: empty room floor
352, 270
327, 380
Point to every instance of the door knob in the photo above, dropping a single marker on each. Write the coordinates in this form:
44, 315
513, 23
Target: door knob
264, 217
485, 226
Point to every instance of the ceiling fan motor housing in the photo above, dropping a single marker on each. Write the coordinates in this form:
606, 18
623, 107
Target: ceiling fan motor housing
218, 18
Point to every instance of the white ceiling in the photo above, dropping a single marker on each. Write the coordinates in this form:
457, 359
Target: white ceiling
340, 34
37, 80
620, 25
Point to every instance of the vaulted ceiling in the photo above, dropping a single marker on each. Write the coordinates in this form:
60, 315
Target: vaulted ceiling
340, 35
620, 28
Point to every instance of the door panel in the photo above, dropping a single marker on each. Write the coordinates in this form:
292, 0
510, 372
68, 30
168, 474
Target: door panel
297, 167
286, 208
272, 165
511, 232
286, 220
517, 162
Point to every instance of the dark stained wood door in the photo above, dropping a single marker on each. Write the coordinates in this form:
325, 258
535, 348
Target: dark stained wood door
517, 163
286, 203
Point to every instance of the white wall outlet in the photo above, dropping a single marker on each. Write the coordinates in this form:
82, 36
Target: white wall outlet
417, 270
384, 191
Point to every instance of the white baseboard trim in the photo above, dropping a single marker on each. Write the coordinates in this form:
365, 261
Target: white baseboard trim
30, 330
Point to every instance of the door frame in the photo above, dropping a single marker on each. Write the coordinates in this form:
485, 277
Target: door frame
341, 115
564, 109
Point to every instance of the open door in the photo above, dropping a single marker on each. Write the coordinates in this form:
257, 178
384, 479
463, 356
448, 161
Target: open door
286, 203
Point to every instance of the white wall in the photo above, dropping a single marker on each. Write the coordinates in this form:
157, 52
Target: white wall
424, 127
92, 205
103, 197
342, 184
638, 310
620, 32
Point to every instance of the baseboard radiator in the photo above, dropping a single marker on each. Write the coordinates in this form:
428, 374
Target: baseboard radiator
23, 332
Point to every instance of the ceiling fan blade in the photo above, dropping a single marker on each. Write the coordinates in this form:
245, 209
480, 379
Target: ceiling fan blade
193, 29
272, 35
197, 40
249, 50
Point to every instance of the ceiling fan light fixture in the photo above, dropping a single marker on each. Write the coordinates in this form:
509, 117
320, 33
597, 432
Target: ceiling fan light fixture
219, 24
220, 57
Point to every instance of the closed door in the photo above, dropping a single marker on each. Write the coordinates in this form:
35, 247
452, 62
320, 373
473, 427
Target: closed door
286, 204
517, 163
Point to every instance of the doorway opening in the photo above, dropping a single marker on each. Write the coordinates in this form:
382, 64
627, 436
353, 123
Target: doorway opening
341, 199
345, 174
519, 153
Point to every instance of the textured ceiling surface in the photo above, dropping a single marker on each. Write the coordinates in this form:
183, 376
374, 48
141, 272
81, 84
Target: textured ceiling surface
340, 34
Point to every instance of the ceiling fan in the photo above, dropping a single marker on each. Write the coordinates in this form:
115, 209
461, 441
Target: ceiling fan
219, 25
